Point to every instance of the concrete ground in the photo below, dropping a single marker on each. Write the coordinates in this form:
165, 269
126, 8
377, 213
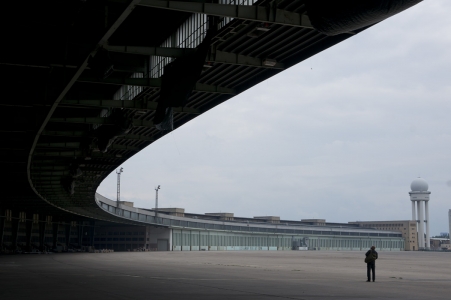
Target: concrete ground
224, 275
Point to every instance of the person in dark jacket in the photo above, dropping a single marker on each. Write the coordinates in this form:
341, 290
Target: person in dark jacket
371, 256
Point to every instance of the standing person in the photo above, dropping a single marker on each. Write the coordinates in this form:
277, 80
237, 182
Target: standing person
371, 256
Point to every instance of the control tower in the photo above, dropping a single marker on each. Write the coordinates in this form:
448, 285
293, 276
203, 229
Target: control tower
419, 193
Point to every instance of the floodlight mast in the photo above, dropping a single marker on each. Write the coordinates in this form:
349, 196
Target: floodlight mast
118, 198
156, 203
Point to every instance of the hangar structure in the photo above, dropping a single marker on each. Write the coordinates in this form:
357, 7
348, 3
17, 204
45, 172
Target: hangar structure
86, 84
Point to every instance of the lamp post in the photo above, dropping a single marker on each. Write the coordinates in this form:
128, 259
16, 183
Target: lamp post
156, 203
118, 199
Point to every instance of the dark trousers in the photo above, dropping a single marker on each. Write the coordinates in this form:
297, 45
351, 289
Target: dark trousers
372, 267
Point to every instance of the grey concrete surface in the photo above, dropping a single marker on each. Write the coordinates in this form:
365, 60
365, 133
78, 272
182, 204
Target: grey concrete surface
225, 275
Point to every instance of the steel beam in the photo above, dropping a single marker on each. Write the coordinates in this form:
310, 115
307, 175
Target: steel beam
91, 120
48, 173
46, 177
75, 145
59, 145
93, 155
66, 153
131, 104
62, 170
243, 12
146, 82
49, 169
136, 137
151, 51
242, 60
82, 134
100, 120
217, 57
121, 68
155, 83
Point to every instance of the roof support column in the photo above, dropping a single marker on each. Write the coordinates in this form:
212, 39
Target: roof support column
428, 238
2, 224
15, 229
55, 234
80, 233
42, 227
68, 228
92, 232
29, 229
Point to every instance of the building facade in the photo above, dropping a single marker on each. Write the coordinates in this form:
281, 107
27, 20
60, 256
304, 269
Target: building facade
408, 229
175, 230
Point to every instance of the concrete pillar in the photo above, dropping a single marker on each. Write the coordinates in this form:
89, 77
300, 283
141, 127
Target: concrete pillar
29, 229
92, 232
418, 225
421, 225
80, 233
67, 232
413, 210
55, 234
2, 225
428, 238
15, 229
42, 227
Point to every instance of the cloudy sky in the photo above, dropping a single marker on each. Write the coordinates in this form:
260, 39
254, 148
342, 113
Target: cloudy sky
340, 136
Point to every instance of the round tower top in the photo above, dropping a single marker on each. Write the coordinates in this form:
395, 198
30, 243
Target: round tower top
419, 185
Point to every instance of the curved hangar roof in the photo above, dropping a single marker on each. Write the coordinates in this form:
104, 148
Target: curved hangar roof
63, 129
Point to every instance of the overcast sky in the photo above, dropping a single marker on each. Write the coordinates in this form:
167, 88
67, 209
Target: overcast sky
339, 136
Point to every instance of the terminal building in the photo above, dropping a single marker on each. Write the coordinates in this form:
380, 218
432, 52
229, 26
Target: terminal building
180, 231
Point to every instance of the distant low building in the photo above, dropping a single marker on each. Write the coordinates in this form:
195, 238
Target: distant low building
440, 243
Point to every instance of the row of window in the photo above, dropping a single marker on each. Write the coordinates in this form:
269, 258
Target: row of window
193, 238
382, 225
340, 243
117, 239
197, 238
118, 246
120, 233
